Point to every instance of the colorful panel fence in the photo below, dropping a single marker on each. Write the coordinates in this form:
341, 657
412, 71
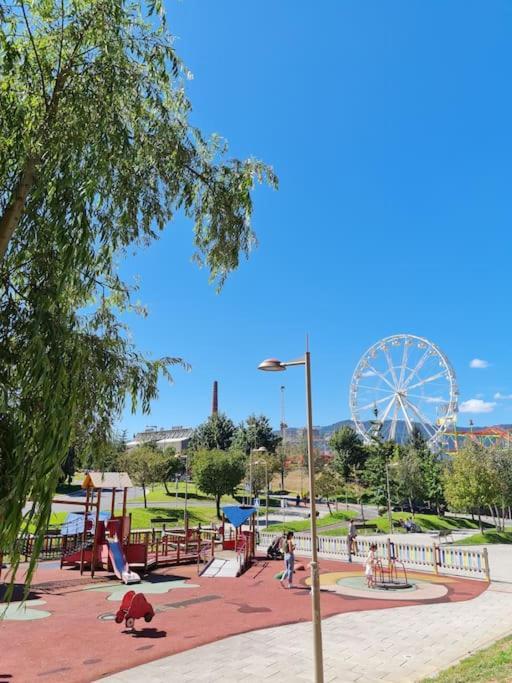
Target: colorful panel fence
428, 557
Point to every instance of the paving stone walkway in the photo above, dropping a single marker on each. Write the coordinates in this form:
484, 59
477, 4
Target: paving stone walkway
398, 645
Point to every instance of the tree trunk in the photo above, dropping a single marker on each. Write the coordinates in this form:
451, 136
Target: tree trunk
166, 489
499, 518
329, 506
217, 503
144, 494
494, 520
362, 509
13, 212
411, 508
282, 479
480, 522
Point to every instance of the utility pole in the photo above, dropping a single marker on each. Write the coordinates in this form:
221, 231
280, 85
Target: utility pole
283, 426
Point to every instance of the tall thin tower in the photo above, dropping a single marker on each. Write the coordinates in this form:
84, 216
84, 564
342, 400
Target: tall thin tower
282, 448
215, 398
283, 424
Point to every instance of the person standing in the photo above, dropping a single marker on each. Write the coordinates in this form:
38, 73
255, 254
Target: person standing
289, 560
371, 561
351, 539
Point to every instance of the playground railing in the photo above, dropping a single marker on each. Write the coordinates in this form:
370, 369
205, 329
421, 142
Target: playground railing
242, 553
51, 548
457, 559
206, 553
429, 557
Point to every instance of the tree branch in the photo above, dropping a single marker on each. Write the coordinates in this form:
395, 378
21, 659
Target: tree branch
39, 65
61, 35
12, 214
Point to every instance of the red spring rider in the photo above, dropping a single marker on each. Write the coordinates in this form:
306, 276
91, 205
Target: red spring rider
134, 606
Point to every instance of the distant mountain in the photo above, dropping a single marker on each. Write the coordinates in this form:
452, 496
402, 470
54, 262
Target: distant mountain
323, 433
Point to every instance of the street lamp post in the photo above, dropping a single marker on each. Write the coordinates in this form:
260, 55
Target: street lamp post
274, 365
259, 450
185, 512
390, 517
250, 479
265, 464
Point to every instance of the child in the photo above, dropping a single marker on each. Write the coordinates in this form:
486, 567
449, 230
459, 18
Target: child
371, 560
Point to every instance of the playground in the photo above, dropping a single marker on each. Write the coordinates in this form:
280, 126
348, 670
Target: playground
105, 598
67, 631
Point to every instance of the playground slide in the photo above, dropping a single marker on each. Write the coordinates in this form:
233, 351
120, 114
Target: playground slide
120, 565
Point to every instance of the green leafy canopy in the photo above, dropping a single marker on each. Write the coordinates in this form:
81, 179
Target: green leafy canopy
97, 155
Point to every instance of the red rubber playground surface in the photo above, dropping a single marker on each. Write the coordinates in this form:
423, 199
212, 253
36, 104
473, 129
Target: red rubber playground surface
80, 642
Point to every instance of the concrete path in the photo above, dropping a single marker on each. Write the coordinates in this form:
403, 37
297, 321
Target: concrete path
398, 645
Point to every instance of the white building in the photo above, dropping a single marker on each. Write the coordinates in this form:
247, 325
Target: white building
178, 437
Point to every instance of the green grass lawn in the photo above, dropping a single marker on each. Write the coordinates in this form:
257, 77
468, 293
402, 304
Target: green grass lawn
487, 538
492, 664
339, 531
428, 522
56, 520
304, 524
141, 517
158, 494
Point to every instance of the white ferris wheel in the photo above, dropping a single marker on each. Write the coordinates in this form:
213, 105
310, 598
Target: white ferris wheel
402, 382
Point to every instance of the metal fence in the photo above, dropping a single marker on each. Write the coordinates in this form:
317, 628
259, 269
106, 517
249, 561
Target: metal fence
455, 560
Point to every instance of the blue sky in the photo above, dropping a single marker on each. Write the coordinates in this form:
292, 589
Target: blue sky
389, 125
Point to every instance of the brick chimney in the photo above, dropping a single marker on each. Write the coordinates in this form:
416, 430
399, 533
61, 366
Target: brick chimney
215, 398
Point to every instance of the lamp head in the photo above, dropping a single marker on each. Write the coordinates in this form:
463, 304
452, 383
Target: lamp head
271, 365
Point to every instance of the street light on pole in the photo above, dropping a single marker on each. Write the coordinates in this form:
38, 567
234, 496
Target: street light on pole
261, 451
185, 512
274, 365
265, 464
390, 517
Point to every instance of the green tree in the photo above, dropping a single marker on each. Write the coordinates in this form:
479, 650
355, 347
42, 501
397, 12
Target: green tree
216, 433
500, 461
433, 467
408, 476
470, 481
357, 487
255, 433
329, 484
380, 453
100, 451
97, 154
173, 466
258, 468
145, 465
218, 473
349, 450
298, 452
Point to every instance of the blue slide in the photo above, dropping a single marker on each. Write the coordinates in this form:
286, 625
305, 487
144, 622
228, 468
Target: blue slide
119, 564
